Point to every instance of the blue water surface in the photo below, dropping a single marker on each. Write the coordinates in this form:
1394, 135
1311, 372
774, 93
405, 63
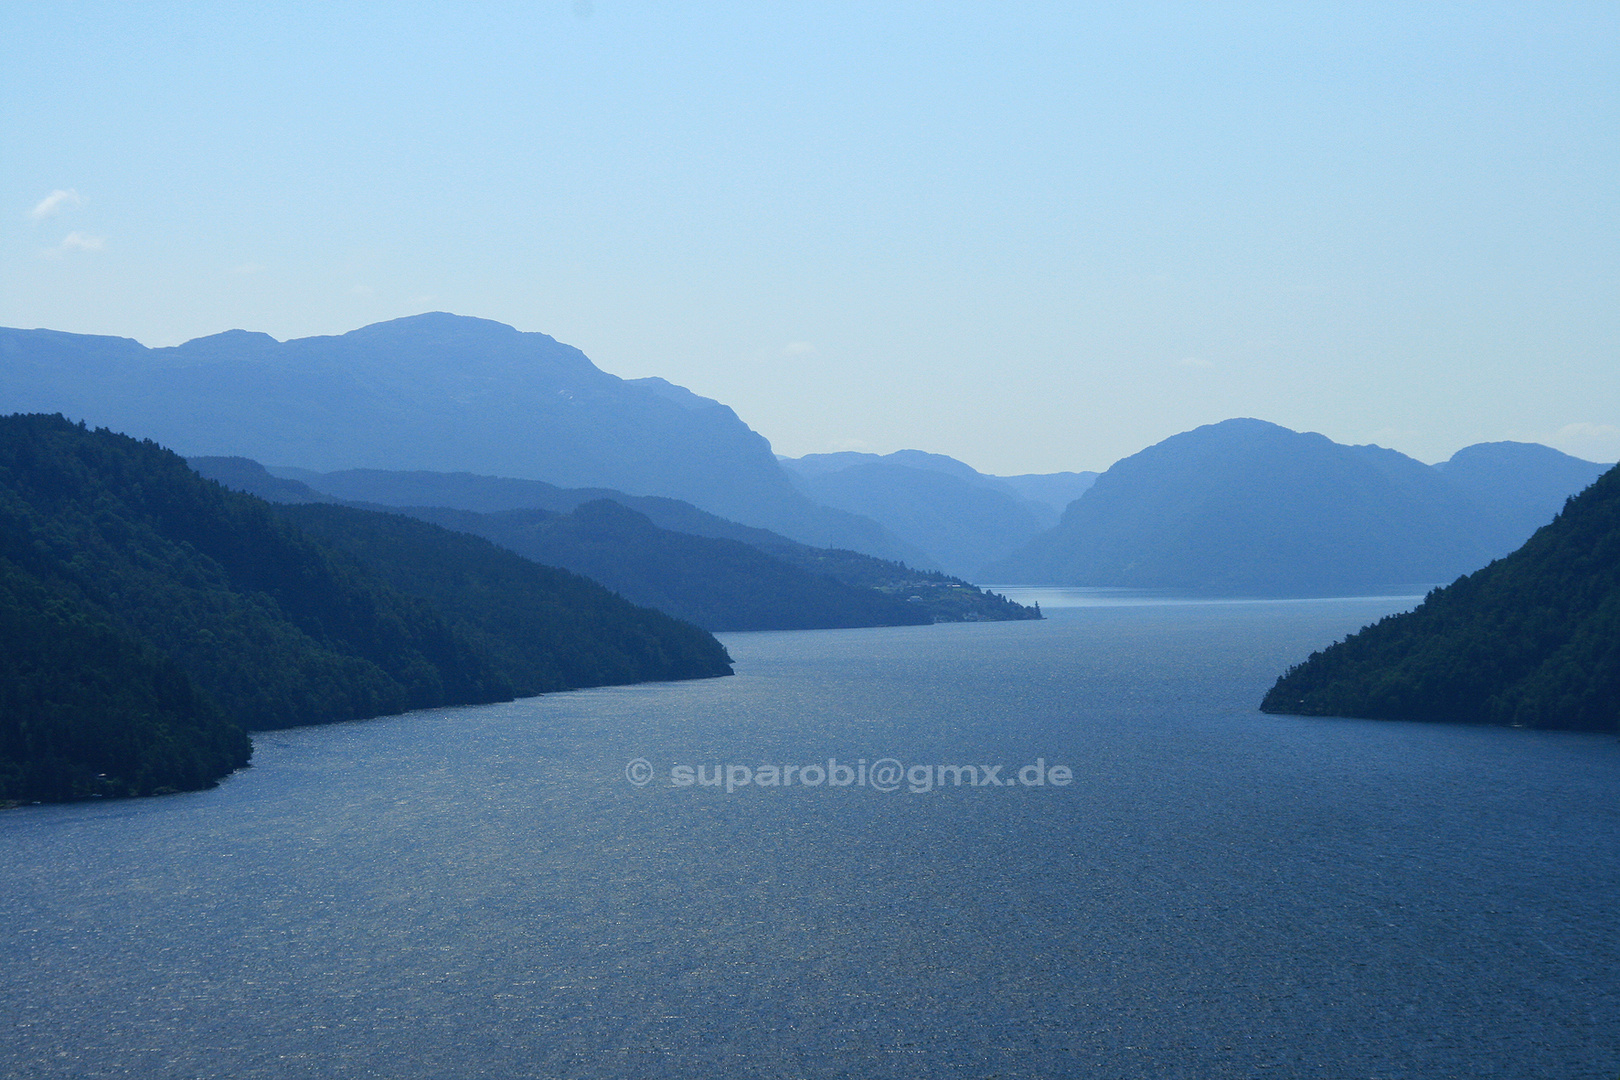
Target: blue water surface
482, 892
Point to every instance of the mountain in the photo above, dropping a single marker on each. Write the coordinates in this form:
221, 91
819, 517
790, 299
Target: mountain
1055, 491
659, 552
811, 465
961, 517
247, 475
726, 584
489, 591
1250, 508
193, 612
961, 525
436, 391
492, 494
1532, 640
1043, 492
713, 583
1524, 484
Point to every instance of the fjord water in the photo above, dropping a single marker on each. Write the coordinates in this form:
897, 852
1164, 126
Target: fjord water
1218, 893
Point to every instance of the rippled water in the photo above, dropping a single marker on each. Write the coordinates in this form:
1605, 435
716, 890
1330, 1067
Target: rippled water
1218, 893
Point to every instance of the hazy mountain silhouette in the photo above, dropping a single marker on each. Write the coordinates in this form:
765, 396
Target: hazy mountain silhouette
1052, 490
1524, 484
435, 391
1047, 494
654, 551
820, 464
1531, 640
961, 517
714, 583
246, 475
492, 494
1247, 507
960, 524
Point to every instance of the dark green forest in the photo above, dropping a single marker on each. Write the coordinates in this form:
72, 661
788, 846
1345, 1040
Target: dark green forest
1532, 640
151, 616
533, 619
88, 709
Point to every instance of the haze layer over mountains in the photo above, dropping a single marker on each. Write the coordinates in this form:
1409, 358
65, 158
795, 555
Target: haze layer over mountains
1241, 507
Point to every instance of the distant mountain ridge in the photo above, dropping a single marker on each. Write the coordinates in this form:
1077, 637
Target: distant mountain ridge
1246, 507
961, 517
654, 551
1055, 491
1242, 507
435, 391
1525, 483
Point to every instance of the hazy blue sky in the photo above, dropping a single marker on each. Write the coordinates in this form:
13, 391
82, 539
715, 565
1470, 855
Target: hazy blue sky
1032, 236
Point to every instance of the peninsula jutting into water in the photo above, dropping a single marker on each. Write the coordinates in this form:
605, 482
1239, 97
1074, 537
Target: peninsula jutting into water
151, 615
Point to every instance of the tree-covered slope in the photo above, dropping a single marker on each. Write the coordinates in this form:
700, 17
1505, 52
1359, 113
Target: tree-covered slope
549, 628
121, 544
273, 627
88, 709
1533, 639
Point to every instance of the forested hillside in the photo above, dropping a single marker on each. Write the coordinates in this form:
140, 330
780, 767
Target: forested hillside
199, 612
534, 619
1532, 639
87, 708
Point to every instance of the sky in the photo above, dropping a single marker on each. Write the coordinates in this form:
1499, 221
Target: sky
1035, 237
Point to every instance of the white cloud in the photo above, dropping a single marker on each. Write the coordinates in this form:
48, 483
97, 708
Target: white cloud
53, 202
1195, 362
78, 241
798, 348
73, 242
